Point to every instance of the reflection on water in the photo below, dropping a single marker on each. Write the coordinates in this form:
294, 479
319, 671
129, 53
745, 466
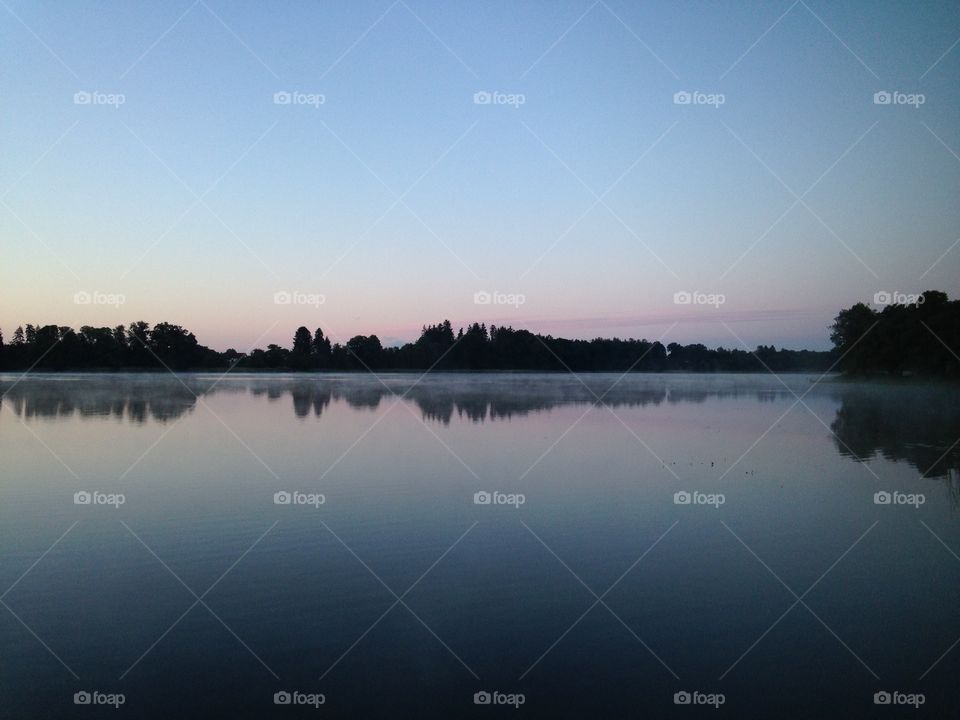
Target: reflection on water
439, 397
114, 397
919, 425
914, 423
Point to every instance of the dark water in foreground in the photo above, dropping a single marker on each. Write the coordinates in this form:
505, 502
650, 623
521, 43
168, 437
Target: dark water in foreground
586, 587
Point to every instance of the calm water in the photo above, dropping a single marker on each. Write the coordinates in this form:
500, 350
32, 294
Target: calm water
582, 585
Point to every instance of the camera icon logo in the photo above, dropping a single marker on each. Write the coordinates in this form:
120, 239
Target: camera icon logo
282, 297
682, 98
482, 297
82, 298
282, 698
882, 298
882, 698
682, 298
82, 698
482, 97
681, 497
282, 498
82, 497
82, 98
482, 698
882, 98
882, 498
282, 97
482, 498
682, 698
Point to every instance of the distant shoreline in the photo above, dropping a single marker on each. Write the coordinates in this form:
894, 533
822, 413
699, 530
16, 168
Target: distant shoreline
899, 341
139, 347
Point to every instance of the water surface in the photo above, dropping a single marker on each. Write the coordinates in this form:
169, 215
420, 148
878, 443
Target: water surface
783, 585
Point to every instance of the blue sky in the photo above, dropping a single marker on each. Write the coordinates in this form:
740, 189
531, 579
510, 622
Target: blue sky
397, 198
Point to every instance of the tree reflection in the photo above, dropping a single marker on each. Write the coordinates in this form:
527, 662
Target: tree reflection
916, 424
162, 397
91, 398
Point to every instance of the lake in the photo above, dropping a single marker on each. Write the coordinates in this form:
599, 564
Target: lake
468, 545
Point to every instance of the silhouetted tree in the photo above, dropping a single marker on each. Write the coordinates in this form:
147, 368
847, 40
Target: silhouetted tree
434, 341
366, 350
320, 349
138, 337
300, 355
847, 330
175, 347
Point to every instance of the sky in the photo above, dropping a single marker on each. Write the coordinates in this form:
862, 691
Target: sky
577, 168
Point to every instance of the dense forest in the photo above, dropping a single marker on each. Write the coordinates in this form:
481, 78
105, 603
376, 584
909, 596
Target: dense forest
922, 338
899, 339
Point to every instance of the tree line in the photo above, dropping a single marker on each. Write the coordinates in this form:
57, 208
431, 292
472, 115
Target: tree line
917, 338
139, 346
920, 338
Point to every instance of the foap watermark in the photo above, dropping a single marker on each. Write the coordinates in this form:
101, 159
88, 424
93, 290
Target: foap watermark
683, 497
895, 697
299, 498
895, 297
695, 97
895, 97
295, 697
295, 97
915, 500
82, 297
84, 97
495, 97
86, 497
482, 297
95, 697
695, 297
495, 697
499, 498
295, 297
695, 697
